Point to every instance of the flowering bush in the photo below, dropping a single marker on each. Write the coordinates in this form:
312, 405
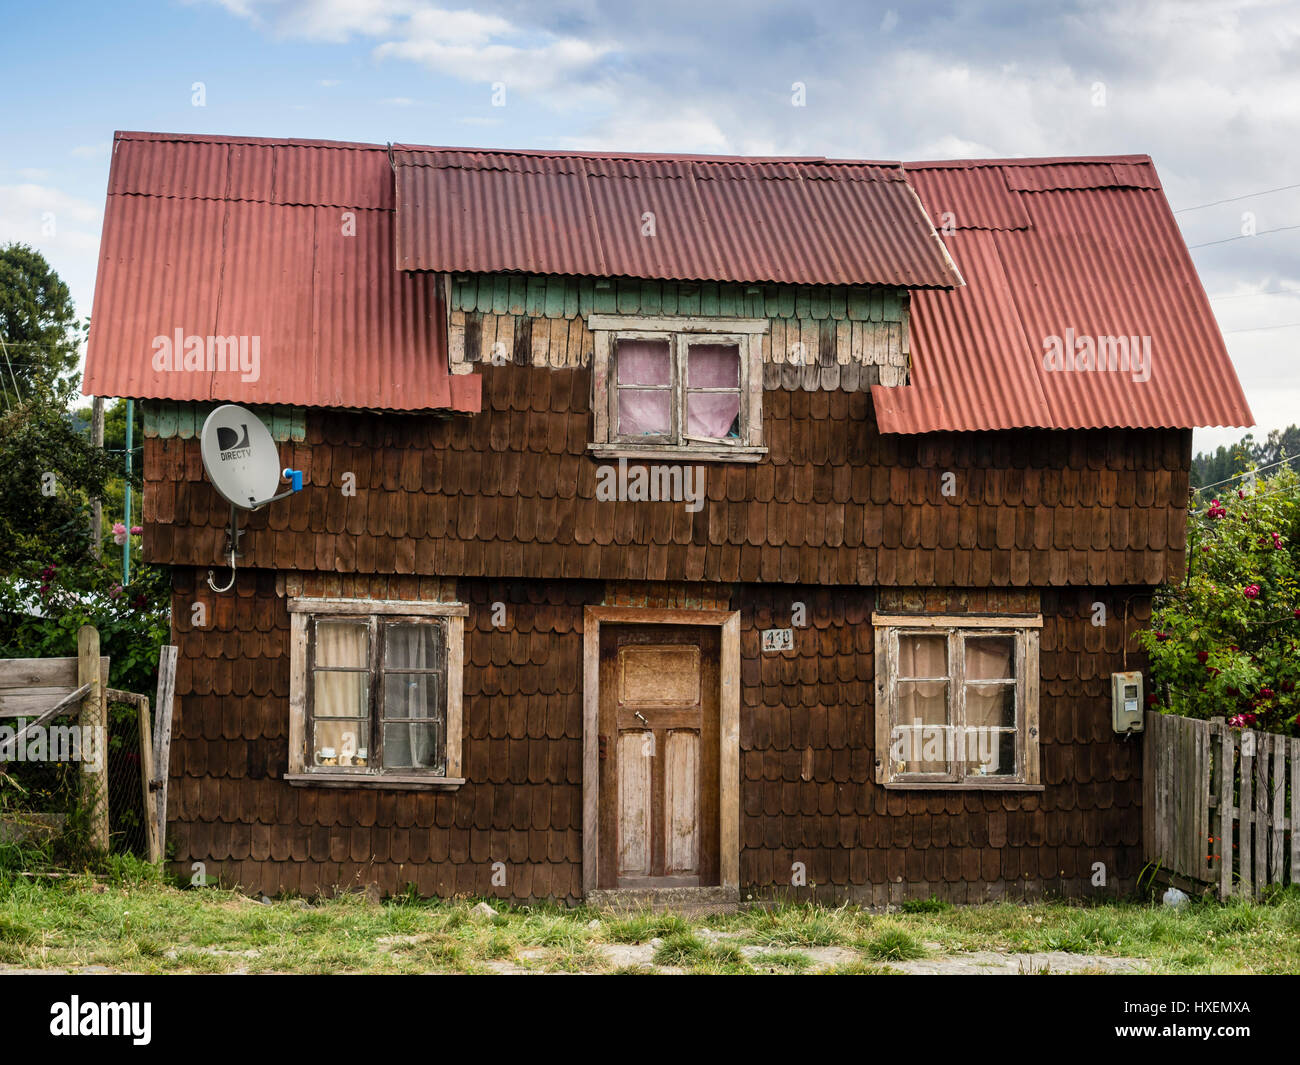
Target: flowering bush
1226, 642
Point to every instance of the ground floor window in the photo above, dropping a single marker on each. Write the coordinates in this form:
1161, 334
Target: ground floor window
375, 692
957, 701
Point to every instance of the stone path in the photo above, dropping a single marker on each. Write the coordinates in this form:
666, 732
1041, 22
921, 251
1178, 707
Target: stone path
641, 956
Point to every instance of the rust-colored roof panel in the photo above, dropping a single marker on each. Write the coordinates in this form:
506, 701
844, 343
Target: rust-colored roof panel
969, 198
1096, 261
336, 324
783, 221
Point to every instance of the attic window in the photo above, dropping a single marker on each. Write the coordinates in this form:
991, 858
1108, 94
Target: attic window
666, 387
375, 694
957, 702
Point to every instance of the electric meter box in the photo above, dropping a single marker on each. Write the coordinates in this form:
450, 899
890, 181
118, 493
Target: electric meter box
1126, 702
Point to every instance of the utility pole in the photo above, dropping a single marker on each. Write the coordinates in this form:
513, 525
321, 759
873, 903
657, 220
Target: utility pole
96, 505
126, 548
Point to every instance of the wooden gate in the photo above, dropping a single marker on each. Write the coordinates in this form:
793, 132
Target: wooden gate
1221, 806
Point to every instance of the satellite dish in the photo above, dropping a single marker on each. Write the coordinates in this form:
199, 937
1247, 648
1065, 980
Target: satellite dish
240, 457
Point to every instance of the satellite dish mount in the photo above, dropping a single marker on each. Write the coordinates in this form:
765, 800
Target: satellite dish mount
243, 464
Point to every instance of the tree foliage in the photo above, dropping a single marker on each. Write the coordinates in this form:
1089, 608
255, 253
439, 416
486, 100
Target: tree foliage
38, 325
1226, 643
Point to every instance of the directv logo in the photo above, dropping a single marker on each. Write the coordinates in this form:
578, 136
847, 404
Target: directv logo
229, 444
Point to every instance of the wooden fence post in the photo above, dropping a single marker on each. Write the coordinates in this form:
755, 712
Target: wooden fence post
146, 780
162, 739
93, 722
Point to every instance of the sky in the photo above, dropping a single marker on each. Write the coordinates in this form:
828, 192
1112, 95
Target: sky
1210, 90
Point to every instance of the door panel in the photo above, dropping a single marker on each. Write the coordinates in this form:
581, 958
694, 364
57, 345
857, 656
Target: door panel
659, 730
659, 676
681, 803
635, 791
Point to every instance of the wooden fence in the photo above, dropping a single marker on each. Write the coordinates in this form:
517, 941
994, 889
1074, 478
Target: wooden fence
36, 691
1221, 806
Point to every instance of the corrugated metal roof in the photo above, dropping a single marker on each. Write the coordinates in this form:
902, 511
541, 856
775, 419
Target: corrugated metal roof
290, 243
771, 220
245, 236
1096, 260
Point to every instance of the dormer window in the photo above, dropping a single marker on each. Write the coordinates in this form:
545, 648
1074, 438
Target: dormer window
667, 387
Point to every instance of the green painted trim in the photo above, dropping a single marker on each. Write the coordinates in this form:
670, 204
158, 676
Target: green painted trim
518, 293
536, 303
501, 294
165, 419
554, 305
651, 297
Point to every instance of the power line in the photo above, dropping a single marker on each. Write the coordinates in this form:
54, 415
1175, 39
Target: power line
1248, 473
1234, 199
1243, 236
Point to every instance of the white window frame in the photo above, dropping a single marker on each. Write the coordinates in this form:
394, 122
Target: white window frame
957, 628
303, 613
680, 332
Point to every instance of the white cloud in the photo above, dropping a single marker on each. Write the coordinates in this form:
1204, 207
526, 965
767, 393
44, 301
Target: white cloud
464, 44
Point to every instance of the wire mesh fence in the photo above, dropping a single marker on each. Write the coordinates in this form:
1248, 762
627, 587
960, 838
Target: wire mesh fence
49, 783
127, 827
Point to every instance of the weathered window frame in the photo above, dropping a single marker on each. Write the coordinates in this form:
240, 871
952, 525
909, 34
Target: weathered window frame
681, 332
957, 628
303, 613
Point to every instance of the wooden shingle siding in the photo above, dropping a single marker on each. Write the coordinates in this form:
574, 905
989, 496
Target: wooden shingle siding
851, 337
807, 739
511, 493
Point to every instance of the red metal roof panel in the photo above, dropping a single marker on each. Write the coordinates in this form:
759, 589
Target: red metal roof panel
336, 324
792, 221
1095, 262
969, 198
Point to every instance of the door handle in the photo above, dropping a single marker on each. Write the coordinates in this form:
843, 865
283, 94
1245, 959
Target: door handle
640, 717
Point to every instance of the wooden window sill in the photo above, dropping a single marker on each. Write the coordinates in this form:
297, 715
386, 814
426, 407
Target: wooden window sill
662, 453
943, 785
389, 781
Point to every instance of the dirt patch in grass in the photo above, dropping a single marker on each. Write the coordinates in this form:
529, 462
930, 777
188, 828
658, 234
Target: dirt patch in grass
80, 925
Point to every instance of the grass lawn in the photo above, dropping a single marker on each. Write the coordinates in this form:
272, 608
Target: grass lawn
133, 922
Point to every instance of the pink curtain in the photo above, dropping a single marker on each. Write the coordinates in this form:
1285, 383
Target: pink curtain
714, 366
643, 362
644, 411
713, 414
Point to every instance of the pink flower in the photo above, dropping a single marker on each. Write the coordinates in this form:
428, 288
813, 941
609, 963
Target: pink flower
1251, 591
136, 530
1241, 720
1216, 510
115, 592
119, 533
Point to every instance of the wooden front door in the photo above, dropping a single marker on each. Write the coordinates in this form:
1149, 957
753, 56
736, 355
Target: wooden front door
658, 756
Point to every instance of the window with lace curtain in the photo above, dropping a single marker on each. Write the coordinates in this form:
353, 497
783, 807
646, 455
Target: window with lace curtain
957, 701
375, 693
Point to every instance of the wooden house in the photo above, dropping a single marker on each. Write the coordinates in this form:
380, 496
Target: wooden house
685, 528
